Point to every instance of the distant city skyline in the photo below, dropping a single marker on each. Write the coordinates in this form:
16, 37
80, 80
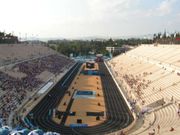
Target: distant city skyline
88, 18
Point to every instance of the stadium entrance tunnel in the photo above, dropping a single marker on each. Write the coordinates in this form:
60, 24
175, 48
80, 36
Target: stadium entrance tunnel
117, 112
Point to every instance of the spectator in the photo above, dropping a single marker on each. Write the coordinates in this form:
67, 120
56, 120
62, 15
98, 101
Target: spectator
17, 89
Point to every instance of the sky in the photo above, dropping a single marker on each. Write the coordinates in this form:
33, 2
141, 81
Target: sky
88, 18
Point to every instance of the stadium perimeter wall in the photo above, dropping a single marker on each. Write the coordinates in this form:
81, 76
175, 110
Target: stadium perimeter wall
127, 103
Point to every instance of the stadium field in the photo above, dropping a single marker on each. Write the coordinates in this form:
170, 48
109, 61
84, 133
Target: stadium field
118, 114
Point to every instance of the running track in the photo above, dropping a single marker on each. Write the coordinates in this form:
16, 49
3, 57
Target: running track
118, 114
